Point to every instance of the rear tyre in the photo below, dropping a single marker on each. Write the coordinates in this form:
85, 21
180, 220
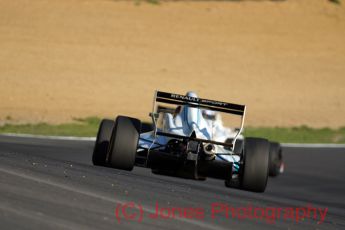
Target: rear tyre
102, 142
275, 159
255, 164
124, 142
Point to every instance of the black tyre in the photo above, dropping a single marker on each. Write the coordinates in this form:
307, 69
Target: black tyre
255, 164
100, 150
123, 144
275, 159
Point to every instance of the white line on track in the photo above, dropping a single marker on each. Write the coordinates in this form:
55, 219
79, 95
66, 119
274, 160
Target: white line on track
50, 137
290, 145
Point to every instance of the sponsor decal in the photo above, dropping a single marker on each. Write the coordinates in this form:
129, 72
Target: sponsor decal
198, 100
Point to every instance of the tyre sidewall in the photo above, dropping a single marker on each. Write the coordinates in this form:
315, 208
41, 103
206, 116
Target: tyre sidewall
102, 142
124, 142
275, 159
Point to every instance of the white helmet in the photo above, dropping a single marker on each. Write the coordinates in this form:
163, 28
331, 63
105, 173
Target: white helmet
192, 119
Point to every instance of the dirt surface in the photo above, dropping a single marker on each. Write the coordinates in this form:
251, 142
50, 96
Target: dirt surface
61, 59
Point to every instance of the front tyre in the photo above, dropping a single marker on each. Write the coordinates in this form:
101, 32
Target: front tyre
275, 159
102, 142
124, 142
255, 164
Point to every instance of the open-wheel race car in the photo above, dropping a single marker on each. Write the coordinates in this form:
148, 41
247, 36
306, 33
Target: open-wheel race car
189, 140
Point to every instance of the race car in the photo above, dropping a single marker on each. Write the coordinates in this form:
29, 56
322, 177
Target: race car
186, 144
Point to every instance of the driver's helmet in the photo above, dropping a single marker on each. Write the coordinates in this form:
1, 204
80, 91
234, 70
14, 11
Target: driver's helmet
209, 114
191, 117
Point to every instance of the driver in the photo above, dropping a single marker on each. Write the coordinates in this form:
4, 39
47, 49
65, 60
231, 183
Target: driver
203, 124
187, 121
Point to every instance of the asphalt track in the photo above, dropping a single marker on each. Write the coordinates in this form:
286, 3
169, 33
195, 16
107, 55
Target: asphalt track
51, 184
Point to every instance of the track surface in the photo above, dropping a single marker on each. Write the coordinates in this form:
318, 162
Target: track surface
51, 184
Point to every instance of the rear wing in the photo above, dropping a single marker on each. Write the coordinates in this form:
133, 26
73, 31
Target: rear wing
177, 99
172, 98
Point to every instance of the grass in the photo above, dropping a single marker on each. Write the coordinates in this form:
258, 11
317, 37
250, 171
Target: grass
88, 127
154, 2
157, 2
335, 1
302, 134
80, 127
